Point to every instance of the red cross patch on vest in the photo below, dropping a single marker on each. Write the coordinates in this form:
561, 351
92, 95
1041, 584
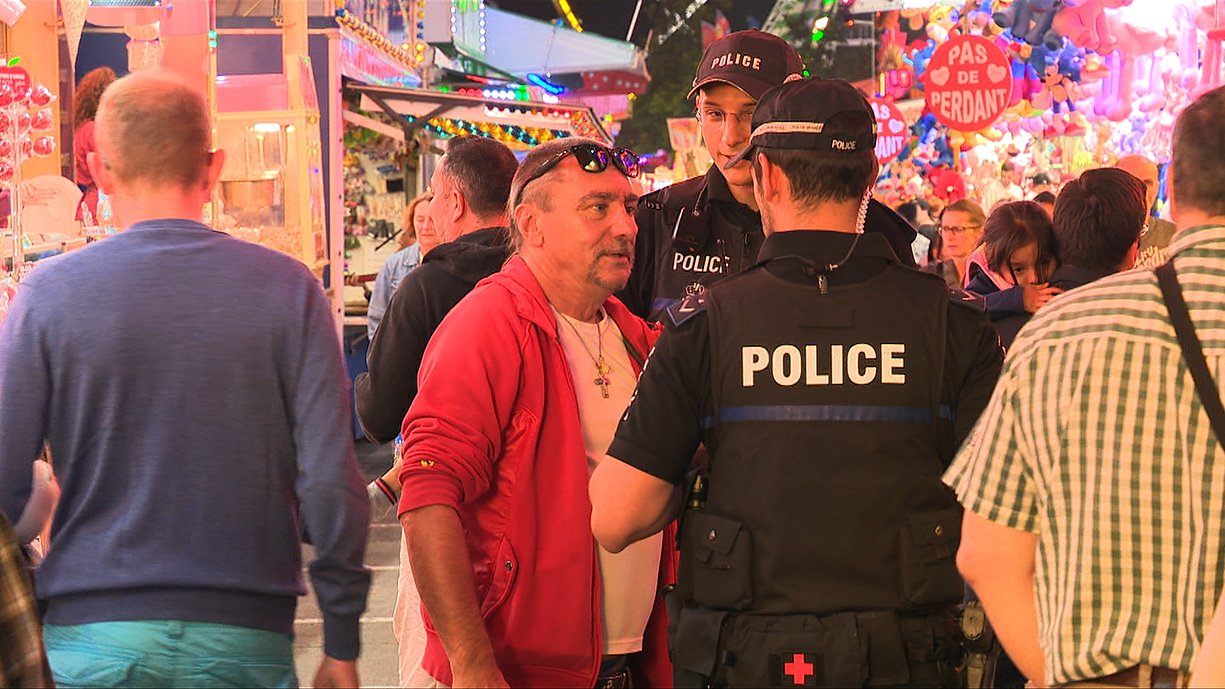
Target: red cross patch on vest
795, 669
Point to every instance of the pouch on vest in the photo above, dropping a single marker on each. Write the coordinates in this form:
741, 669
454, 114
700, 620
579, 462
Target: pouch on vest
722, 557
810, 651
929, 558
693, 642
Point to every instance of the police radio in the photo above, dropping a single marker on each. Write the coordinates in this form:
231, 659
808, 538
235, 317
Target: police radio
822, 273
697, 492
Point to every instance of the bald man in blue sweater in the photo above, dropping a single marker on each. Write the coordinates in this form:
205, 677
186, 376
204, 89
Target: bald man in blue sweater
192, 390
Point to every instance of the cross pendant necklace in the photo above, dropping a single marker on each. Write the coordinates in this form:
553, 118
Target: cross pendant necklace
602, 369
601, 378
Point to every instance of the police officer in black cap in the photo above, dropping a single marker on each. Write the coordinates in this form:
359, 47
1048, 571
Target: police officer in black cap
831, 387
696, 232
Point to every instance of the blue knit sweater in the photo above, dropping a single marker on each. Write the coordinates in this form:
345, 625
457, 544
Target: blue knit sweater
192, 390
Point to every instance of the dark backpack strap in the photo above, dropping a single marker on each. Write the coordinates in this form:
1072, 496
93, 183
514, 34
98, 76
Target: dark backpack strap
1192, 349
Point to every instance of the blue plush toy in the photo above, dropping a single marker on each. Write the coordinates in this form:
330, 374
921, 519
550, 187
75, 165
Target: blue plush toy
920, 59
1030, 21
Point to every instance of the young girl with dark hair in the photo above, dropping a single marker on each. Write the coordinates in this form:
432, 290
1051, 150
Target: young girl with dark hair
1010, 267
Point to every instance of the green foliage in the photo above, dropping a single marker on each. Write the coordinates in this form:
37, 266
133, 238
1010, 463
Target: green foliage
829, 57
671, 66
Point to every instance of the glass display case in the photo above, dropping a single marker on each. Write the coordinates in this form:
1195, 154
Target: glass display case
271, 189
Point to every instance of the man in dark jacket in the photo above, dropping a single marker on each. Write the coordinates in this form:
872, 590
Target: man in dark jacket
471, 185
705, 228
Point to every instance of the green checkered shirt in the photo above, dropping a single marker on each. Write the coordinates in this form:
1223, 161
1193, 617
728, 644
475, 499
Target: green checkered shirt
1095, 441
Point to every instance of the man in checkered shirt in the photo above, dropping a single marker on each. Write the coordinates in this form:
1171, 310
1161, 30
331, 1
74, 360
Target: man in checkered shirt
1093, 485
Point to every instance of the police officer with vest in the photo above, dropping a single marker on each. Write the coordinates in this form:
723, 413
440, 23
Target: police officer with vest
831, 387
695, 232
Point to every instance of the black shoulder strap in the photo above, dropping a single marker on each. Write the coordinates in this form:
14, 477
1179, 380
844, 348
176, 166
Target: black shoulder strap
1192, 350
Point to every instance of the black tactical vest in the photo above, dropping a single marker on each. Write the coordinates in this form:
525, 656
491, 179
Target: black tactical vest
824, 490
698, 242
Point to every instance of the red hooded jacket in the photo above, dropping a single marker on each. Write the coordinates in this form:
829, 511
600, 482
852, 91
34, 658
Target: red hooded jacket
494, 433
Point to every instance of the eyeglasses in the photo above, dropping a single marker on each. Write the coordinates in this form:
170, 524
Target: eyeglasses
954, 229
713, 117
591, 158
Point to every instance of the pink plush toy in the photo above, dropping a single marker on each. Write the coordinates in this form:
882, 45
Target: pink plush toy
1084, 23
1210, 16
1140, 30
1188, 45
1107, 98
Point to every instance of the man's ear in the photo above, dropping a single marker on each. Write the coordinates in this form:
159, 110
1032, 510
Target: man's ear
1133, 253
216, 161
526, 222
100, 171
768, 184
756, 177
461, 205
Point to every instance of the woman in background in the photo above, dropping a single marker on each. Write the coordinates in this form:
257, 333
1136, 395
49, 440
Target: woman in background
417, 228
89, 91
961, 227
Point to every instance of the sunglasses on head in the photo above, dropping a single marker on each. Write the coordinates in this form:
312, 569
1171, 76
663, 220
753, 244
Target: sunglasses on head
591, 158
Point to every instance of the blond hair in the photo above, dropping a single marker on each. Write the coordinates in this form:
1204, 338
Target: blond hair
153, 127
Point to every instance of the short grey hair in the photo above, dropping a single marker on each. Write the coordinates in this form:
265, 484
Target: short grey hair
535, 158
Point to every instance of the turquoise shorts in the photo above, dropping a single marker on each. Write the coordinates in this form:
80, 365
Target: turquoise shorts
166, 653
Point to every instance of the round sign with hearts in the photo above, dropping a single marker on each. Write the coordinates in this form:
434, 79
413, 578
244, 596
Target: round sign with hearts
891, 131
967, 83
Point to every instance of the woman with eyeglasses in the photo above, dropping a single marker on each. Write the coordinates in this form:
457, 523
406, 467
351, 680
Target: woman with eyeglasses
961, 227
1010, 268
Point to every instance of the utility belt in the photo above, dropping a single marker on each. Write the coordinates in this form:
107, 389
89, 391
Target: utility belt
715, 648
614, 673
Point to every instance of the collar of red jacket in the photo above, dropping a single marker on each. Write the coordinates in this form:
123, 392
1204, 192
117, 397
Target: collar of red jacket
533, 306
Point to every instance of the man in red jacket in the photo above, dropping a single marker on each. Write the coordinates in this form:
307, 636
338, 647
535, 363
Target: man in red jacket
521, 389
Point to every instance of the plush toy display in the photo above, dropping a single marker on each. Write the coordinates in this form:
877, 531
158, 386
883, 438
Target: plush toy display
1115, 72
1030, 21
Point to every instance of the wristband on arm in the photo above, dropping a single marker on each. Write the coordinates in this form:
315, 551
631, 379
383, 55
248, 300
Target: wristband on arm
387, 490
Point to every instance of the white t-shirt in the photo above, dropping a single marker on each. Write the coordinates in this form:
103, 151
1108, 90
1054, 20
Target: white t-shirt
629, 579
996, 192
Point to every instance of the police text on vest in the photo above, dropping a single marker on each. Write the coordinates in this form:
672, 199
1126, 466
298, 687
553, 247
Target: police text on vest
858, 364
694, 263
